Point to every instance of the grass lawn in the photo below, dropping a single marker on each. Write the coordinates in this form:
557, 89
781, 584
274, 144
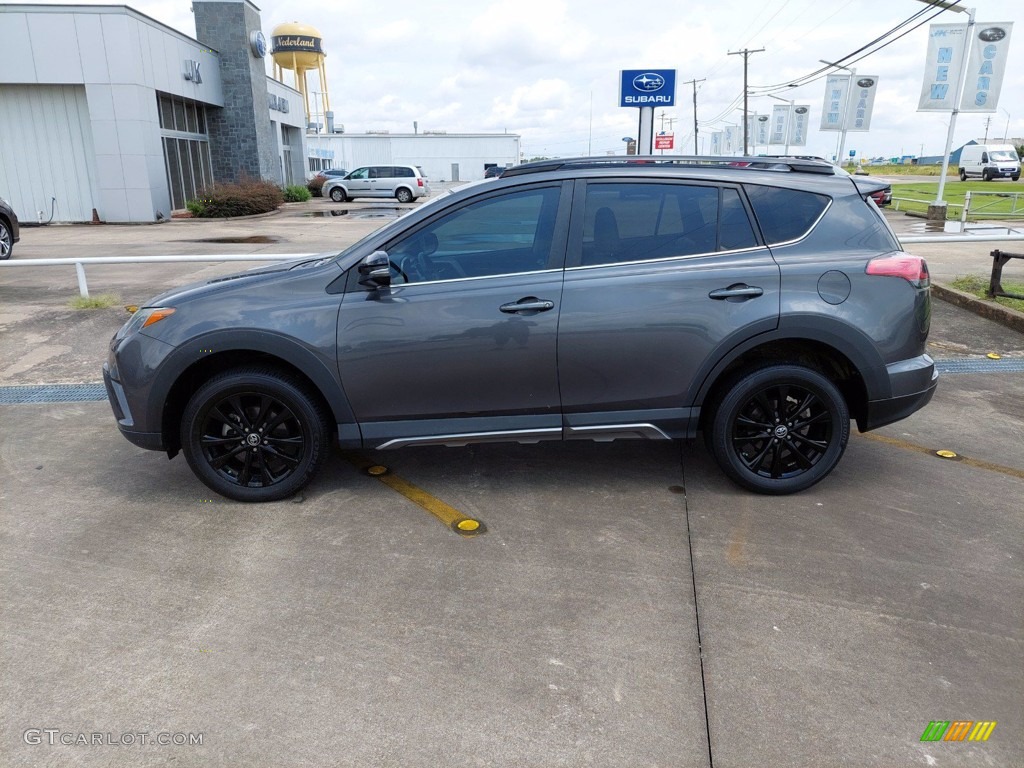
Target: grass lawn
982, 206
976, 286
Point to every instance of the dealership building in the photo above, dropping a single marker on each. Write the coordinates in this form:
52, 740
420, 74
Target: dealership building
108, 115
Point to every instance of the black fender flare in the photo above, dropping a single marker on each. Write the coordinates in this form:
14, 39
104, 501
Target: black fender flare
851, 343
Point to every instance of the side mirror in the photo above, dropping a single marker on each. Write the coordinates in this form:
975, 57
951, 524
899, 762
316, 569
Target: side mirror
375, 271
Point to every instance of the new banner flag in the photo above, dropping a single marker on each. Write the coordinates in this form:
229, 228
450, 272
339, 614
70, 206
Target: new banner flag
947, 45
837, 100
716, 143
780, 124
729, 143
986, 66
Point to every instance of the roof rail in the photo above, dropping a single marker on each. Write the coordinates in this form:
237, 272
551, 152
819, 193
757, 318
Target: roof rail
788, 163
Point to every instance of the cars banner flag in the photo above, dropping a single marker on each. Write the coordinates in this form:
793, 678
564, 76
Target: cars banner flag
716, 143
986, 66
862, 102
947, 45
798, 124
780, 124
837, 99
761, 126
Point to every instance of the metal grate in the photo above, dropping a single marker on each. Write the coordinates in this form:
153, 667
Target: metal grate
974, 365
52, 393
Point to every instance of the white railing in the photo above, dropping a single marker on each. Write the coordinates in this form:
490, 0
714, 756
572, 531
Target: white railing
83, 288
79, 264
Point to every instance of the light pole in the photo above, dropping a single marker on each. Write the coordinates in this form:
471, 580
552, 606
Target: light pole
788, 118
846, 108
1006, 130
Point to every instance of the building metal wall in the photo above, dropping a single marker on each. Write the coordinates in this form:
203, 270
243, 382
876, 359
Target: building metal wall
47, 159
120, 58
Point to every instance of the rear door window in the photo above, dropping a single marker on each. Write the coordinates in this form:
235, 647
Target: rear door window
626, 222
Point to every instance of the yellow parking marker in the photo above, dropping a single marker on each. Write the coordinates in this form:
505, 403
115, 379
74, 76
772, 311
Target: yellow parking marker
994, 356
978, 463
447, 514
946, 455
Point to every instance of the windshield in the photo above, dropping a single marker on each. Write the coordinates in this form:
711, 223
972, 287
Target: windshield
1003, 154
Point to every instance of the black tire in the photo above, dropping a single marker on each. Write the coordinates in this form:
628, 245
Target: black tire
403, 195
338, 195
6, 241
222, 434
985, 175
963, 175
1015, 178
779, 429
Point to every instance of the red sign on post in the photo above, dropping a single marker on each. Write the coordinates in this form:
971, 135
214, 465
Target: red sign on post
664, 140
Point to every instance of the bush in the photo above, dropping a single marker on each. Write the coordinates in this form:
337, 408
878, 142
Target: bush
316, 185
245, 198
296, 194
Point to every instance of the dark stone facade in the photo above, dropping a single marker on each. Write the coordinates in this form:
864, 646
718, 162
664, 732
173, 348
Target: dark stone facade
242, 142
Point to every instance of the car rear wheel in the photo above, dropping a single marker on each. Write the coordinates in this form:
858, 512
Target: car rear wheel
6, 241
403, 196
779, 429
963, 175
338, 195
255, 434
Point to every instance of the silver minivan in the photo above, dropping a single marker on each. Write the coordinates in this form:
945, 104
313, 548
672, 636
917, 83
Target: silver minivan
405, 183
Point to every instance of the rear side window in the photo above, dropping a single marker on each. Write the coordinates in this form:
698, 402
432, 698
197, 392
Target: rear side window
636, 222
403, 172
785, 214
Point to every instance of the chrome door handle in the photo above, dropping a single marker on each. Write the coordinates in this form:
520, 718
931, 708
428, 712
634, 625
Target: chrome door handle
529, 304
739, 292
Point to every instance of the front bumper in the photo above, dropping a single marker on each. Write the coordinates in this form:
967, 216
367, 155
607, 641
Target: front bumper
913, 384
152, 441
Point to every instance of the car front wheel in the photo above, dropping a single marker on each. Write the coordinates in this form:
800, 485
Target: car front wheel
6, 241
779, 429
338, 195
255, 434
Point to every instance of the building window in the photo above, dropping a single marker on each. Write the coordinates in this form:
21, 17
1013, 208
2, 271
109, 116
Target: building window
186, 148
320, 164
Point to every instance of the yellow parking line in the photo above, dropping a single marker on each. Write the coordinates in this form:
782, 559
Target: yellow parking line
978, 463
447, 514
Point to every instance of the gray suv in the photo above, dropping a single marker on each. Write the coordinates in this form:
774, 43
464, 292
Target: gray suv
763, 304
405, 183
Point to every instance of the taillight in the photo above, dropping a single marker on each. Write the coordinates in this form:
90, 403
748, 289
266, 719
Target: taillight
914, 269
419, 182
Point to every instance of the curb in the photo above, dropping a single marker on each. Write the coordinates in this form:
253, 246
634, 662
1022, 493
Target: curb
991, 310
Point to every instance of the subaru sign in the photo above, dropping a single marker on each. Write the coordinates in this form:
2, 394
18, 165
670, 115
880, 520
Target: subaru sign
647, 88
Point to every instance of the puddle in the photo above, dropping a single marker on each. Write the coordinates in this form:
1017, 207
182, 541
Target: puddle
358, 213
249, 239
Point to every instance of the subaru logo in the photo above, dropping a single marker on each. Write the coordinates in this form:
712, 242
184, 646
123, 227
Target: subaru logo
992, 34
865, 82
762, 118
801, 110
648, 81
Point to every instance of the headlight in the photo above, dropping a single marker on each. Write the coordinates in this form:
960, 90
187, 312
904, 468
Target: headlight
144, 318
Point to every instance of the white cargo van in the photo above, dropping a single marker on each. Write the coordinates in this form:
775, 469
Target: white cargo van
989, 161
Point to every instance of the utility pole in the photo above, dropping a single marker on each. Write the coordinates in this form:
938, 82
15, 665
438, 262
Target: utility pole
746, 55
987, 121
694, 84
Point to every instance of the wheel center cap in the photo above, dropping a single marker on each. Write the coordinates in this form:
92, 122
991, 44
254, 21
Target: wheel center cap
252, 439
781, 431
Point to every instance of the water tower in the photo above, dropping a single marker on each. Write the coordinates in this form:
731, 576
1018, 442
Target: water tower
298, 47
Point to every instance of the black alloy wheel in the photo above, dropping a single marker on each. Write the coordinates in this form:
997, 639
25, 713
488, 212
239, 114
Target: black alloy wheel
6, 241
255, 435
780, 429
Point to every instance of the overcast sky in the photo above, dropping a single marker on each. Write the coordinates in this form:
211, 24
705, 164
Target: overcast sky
535, 67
